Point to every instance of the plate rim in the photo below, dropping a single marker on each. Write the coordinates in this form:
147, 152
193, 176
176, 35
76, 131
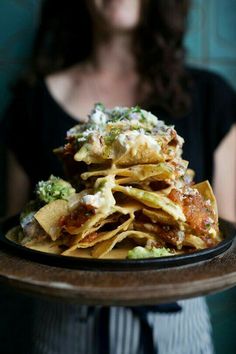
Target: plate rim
116, 264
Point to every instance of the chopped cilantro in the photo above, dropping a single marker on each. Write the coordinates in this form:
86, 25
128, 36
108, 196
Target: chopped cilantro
99, 106
112, 135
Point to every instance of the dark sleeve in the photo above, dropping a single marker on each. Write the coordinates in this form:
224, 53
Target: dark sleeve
17, 127
214, 105
224, 108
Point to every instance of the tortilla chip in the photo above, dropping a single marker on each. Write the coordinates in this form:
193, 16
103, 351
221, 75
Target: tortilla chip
170, 236
118, 253
139, 235
84, 229
159, 216
153, 200
204, 188
46, 245
86, 242
86, 155
129, 207
141, 172
142, 151
15, 234
49, 215
104, 247
194, 241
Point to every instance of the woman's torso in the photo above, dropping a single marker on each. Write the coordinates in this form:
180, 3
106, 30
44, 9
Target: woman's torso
41, 123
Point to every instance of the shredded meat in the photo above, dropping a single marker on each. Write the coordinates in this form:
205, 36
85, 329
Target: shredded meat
68, 149
77, 218
164, 233
171, 235
200, 216
91, 237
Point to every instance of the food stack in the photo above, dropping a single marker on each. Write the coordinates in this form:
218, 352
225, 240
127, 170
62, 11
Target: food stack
135, 197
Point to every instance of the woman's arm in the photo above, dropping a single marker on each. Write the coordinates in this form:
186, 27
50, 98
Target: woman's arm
225, 176
18, 186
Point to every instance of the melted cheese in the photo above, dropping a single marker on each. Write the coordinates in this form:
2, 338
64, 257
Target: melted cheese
102, 200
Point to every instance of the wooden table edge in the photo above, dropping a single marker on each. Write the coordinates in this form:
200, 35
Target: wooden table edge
124, 296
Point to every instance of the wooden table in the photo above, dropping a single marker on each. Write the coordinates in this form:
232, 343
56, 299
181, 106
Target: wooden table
119, 288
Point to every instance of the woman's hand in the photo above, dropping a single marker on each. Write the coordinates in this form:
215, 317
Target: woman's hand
225, 176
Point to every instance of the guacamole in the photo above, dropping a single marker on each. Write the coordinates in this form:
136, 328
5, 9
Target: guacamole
142, 252
54, 188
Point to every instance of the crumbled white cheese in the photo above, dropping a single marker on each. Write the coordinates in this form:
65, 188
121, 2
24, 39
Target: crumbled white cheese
128, 187
209, 220
180, 140
129, 129
93, 199
85, 135
179, 184
150, 118
191, 191
129, 139
103, 199
134, 116
73, 131
98, 117
180, 235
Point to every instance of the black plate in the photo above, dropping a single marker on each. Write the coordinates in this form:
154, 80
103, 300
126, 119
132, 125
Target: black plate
226, 227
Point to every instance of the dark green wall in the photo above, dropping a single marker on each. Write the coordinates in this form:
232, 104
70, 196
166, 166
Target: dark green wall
18, 21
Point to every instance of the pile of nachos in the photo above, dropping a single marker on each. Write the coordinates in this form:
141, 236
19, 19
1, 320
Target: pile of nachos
128, 193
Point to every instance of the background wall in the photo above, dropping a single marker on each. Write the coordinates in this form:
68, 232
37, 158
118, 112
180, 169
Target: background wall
211, 43
18, 22
211, 39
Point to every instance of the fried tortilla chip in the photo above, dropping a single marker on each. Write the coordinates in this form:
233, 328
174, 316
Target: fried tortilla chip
88, 156
15, 234
91, 241
159, 216
129, 207
153, 200
137, 153
171, 235
43, 245
49, 215
161, 171
104, 247
194, 241
84, 229
204, 188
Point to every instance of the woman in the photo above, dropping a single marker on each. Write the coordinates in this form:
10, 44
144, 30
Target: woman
124, 53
